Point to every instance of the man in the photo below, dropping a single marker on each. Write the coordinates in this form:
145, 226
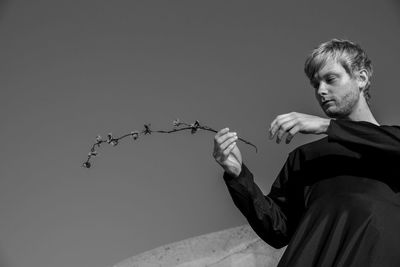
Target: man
336, 201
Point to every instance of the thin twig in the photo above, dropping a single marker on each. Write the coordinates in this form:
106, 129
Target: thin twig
194, 127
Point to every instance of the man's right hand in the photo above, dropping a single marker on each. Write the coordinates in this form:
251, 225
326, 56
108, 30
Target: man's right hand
226, 152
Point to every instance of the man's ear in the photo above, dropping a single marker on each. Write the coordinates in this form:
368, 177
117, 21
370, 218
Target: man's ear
362, 78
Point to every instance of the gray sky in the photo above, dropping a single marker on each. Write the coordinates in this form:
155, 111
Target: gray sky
71, 70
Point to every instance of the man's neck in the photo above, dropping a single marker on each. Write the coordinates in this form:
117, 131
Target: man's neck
362, 113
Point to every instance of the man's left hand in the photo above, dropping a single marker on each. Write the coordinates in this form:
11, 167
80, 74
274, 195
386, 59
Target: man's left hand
294, 122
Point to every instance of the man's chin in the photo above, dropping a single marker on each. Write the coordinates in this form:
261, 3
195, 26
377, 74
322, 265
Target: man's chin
332, 113
335, 115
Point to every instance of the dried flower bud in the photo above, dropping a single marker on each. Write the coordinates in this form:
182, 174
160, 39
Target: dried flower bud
86, 164
109, 138
195, 126
135, 135
147, 129
114, 142
176, 123
98, 139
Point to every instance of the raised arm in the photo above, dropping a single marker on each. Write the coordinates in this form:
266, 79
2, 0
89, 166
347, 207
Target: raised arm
365, 135
378, 139
267, 215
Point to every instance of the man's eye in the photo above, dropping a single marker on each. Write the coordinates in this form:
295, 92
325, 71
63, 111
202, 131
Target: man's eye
330, 79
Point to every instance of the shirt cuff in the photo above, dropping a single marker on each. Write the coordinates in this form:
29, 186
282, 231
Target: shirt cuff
244, 174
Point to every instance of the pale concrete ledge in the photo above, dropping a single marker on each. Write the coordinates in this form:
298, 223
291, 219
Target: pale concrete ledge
237, 247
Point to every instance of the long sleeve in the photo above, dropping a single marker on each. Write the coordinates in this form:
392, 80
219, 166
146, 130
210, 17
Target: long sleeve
370, 137
267, 215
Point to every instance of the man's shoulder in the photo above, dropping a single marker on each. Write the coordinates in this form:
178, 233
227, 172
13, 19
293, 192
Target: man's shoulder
395, 128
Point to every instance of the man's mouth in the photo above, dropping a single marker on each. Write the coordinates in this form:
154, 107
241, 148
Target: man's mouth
326, 102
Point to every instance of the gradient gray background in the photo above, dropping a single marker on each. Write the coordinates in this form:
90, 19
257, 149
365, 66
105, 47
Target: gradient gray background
70, 70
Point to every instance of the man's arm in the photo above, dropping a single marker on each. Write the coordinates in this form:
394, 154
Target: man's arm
267, 215
294, 122
366, 135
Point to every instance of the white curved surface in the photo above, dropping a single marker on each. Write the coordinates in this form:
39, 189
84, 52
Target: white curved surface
237, 247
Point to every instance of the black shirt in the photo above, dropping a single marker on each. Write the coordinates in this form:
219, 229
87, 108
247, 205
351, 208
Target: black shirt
335, 202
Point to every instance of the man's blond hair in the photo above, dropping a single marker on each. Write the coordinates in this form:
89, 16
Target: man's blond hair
349, 54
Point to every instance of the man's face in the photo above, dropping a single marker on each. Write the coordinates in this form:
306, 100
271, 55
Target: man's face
336, 91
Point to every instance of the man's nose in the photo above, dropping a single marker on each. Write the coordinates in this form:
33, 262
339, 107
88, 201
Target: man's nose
322, 89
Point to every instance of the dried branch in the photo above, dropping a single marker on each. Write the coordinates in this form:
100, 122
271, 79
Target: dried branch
178, 126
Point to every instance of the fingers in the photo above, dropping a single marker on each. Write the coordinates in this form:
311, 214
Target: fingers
229, 149
282, 124
292, 133
224, 142
222, 136
277, 122
222, 132
284, 128
228, 142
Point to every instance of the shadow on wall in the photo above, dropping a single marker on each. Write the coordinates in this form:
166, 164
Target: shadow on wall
3, 260
3, 6
397, 4
239, 247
